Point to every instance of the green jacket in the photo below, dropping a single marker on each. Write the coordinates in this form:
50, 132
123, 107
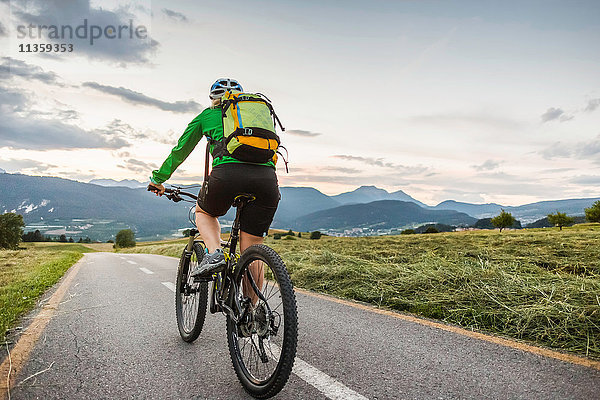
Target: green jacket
209, 123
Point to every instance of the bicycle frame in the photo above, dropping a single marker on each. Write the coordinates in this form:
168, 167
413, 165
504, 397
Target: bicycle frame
223, 281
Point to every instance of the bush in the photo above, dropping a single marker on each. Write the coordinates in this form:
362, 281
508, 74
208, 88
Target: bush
11, 230
125, 238
288, 237
109, 241
560, 219
431, 229
299, 234
408, 232
290, 233
315, 235
503, 220
277, 236
593, 213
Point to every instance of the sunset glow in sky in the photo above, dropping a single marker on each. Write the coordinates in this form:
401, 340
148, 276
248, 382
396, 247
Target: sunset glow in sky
478, 101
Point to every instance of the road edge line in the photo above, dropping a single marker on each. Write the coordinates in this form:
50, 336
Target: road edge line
573, 359
22, 349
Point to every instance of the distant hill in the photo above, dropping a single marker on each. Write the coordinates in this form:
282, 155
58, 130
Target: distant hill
298, 201
383, 214
367, 194
98, 209
526, 213
49, 199
531, 212
474, 210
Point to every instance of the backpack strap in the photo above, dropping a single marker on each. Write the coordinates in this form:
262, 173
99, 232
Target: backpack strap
206, 158
285, 161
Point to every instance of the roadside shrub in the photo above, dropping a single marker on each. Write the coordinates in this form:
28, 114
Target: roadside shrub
315, 235
11, 230
125, 238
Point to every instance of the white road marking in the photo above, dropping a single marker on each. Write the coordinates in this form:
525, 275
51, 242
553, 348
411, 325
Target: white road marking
331, 388
146, 271
131, 262
170, 286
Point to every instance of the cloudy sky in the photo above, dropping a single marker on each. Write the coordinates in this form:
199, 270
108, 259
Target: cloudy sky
479, 101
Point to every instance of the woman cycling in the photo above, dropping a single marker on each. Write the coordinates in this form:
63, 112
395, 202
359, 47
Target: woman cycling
229, 177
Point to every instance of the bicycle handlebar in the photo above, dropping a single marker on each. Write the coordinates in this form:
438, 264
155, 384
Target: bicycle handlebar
173, 194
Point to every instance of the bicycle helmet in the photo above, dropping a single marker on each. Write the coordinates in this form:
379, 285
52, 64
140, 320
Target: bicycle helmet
222, 85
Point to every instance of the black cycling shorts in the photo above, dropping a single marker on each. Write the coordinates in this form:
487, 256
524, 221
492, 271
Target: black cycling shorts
226, 181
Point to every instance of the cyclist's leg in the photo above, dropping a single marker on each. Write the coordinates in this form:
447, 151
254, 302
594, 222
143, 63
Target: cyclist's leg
256, 268
209, 229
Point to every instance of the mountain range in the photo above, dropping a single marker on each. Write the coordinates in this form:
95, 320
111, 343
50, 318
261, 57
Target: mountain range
96, 209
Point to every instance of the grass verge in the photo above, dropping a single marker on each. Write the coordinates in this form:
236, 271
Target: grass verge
541, 286
27, 273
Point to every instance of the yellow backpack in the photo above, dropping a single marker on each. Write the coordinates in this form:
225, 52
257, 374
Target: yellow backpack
249, 128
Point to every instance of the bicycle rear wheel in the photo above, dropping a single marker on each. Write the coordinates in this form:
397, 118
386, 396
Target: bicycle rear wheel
190, 297
262, 344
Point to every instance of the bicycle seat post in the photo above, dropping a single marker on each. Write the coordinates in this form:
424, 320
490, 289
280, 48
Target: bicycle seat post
239, 202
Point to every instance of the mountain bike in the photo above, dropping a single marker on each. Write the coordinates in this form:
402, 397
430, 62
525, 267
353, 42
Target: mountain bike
256, 295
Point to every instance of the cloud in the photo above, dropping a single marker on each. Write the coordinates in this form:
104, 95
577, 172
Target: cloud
488, 165
138, 166
299, 132
592, 105
592, 180
177, 16
552, 114
133, 97
584, 150
33, 166
13, 67
23, 128
9, 99
342, 170
129, 49
379, 162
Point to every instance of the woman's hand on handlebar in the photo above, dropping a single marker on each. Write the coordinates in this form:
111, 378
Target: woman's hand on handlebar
159, 189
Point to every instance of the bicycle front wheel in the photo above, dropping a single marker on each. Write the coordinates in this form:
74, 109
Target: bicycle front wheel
262, 344
190, 297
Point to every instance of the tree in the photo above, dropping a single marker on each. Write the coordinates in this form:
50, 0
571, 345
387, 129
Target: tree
71, 240
277, 236
299, 234
11, 230
290, 233
408, 232
63, 238
503, 220
125, 238
560, 219
315, 235
593, 213
431, 229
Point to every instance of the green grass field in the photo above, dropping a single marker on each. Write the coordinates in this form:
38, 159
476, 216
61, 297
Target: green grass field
26, 274
539, 285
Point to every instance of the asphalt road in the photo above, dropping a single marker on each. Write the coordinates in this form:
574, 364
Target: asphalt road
114, 335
